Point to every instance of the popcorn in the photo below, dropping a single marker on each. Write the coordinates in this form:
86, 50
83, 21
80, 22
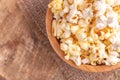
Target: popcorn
114, 53
74, 29
76, 59
113, 2
100, 6
117, 10
112, 19
99, 44
89, 39
54, 24
61, 30
101, 22
118, 49
107, 35
68, 41
66, 34
89, 31
71, 1
64, 46
93, 58
74, 14
84, 45
83, 23
102, 36
67, 57
102, 54
85, 61
66, 8
111, 48
74, 50
117, 2
94, 36
56, 6
88, 13
115, 38
110, 2
81, 35
76, 2
112, 60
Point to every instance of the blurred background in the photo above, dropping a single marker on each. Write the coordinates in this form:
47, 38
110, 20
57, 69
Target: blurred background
25, 52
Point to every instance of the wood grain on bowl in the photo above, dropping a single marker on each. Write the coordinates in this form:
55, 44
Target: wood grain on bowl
60, 53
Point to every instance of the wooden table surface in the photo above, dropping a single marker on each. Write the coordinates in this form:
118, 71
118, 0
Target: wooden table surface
25, 52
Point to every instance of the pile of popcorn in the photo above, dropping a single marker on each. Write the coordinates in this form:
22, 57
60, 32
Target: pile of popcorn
88, 30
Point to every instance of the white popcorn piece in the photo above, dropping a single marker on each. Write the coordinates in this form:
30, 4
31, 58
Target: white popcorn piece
115, 38
89, 39
66, 34
102, 54
58, 28
114, 53
93, 58
64, 11
85, 61
61, 30
112, 60
76, 2
99, 44
93, 35
66, 8
81, 35
56, 6
111, 48
118, 49
113, 2
67, 57
64, 46
102, 37
74, 14
54, 29
56, 16
117, 2
71, 1
110, 2
83, 23
108, 35
93, 49
68, 41
87, 13
100, 6
74, 50
112, 18
106, 62
76, 59
84, 45
74, 29
101, 22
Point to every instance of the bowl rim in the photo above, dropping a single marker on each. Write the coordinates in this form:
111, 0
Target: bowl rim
55, 45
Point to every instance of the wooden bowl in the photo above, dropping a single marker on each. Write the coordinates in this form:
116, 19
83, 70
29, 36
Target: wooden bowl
54, 43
